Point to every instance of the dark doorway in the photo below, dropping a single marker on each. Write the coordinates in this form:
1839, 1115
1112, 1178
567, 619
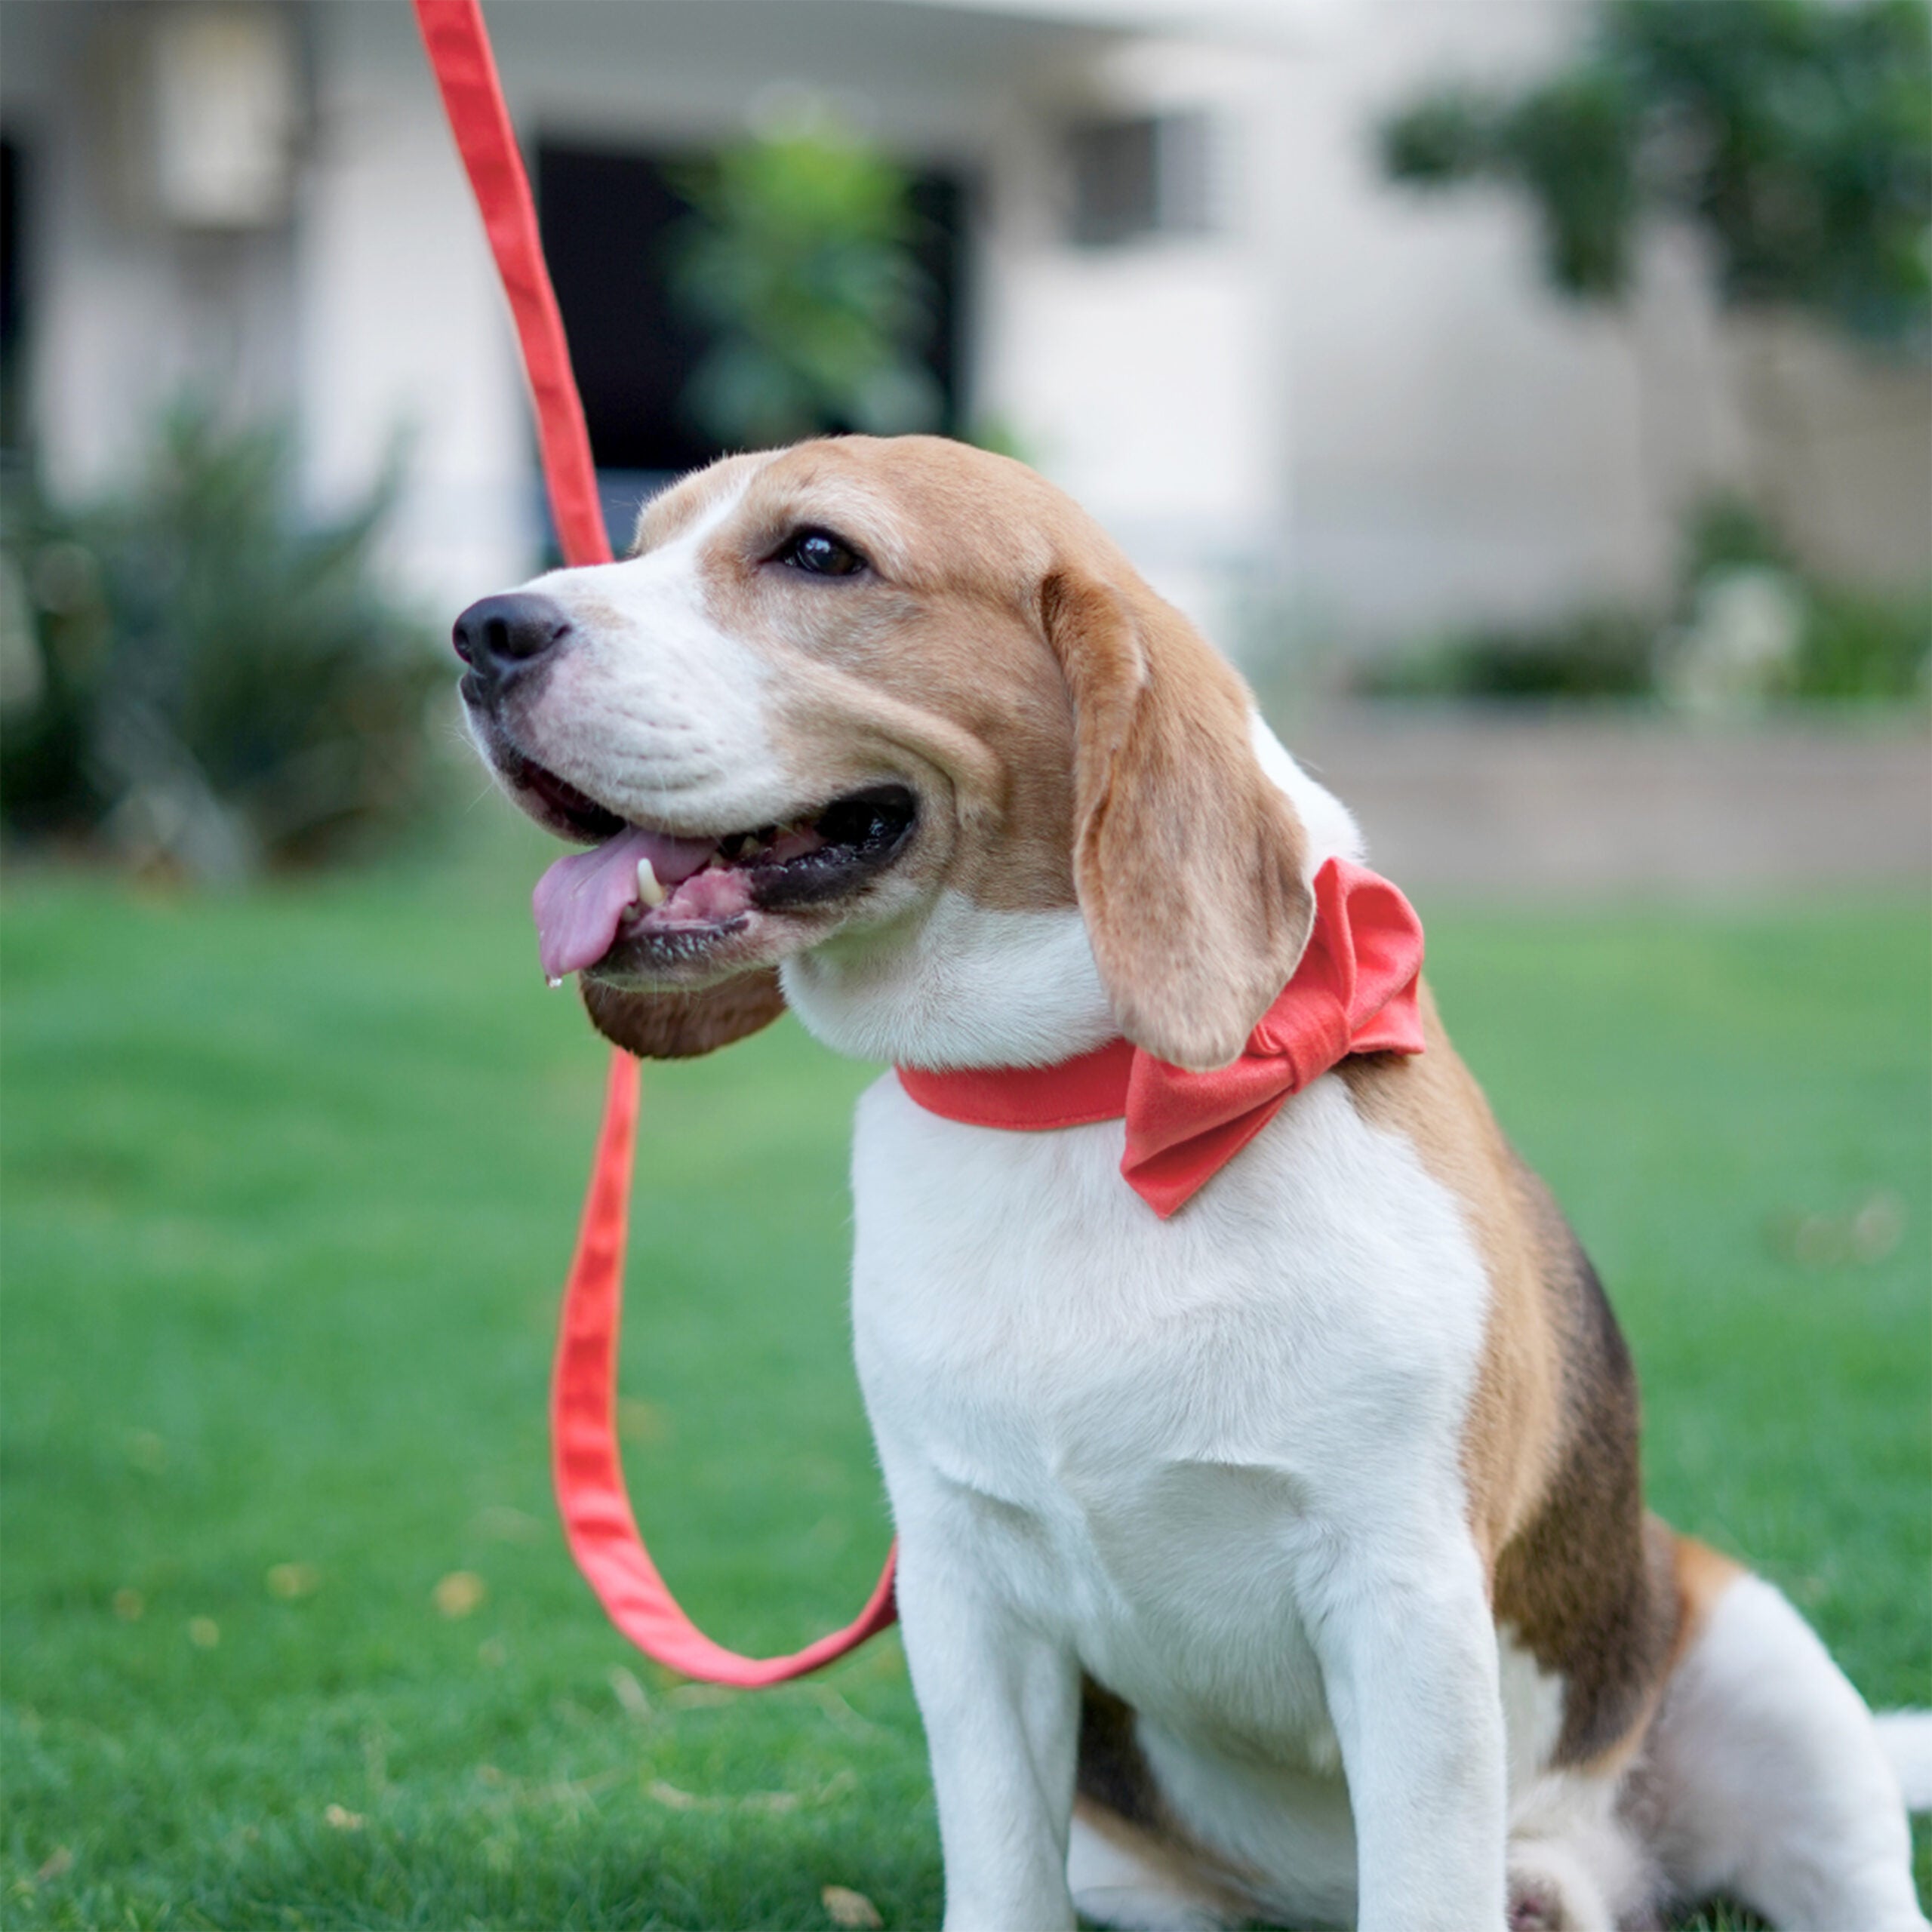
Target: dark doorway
607, 216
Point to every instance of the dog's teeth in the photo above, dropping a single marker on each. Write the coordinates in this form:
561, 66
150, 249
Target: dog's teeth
552, 981
648, 890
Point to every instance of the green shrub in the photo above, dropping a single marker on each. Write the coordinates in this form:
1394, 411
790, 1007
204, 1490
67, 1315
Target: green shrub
1849, 643
1796, 135
799, 258
1857, 645
1598, 653
1749, 625
213, 681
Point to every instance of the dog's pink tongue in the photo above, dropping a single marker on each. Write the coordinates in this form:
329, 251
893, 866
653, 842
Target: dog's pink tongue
579, 902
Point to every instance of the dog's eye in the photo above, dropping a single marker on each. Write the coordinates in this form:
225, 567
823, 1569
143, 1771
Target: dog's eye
821, 553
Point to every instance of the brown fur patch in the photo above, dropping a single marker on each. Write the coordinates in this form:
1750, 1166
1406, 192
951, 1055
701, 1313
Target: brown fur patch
1550, 1452
1702, 1575
671, 510
682, 1026
1114, 1771
1432, 1100
1187, 858
1072, 738
1589, 1591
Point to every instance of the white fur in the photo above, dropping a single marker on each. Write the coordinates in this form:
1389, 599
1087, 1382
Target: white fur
1532, 1711
1770, 1780
1906, 1737
1215, 1461
1332, 831
654, 709
1570, 1842
1096, 1429
955, 985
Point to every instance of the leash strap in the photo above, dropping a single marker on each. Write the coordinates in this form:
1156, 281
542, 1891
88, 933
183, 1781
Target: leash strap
586, 1467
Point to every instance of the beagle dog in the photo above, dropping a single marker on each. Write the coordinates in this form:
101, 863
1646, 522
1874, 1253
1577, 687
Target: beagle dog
1283, 1558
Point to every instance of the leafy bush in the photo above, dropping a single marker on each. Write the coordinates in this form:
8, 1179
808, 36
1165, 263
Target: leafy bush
1847, 642
209, 680
1748, 626
1600, 654
798, 257
1796, 134
1859, 646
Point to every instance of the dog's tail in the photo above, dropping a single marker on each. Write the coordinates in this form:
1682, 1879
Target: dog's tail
1907, 1737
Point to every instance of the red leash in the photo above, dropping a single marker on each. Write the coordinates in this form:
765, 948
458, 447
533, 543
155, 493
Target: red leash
588, 1471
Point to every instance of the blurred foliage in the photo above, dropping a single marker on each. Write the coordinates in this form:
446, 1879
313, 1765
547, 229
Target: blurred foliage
1797, 135
1859, 645
798, 259
1598, 653
200, 677
1748, 625
1726, 531
1849, 642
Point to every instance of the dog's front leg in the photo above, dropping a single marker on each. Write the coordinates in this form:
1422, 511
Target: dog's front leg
1409, 1664
1001, 1706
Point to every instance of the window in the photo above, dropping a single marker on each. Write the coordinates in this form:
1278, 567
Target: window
1134, 179
1140, 178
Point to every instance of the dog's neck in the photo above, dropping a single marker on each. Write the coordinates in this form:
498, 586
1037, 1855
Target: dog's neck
954, 984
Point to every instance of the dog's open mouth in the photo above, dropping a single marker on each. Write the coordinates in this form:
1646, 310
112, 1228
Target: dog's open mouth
661, 899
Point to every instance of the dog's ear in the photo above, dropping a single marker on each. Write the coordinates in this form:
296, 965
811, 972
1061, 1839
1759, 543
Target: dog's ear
681, 1026
1187, 858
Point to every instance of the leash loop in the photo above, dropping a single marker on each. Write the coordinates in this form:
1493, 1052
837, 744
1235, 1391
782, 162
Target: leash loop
587, 1468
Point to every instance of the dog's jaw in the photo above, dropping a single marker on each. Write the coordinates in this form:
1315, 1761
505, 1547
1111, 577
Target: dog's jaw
962, 985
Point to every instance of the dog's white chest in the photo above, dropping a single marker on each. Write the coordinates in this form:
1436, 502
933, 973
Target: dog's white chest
1149, 1432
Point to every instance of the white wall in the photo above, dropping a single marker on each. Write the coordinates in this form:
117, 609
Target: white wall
1461, 442
1143, 376
125, 315
404, 328
1351, 401
373, 310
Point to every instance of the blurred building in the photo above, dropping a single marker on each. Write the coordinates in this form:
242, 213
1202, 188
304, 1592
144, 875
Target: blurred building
1306, 400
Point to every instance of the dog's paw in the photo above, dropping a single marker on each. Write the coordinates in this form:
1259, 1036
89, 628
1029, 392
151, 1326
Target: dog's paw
1535, 1905
1545, 1899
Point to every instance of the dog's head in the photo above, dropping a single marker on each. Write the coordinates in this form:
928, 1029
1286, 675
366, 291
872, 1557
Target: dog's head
844, 692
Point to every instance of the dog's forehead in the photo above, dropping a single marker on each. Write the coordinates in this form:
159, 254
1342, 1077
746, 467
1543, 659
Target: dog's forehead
693, 502
925, 510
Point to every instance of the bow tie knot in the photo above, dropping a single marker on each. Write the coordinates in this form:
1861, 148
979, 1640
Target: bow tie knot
1318, 1037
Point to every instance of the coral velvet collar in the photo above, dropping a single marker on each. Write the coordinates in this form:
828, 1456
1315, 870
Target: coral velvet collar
1354, 992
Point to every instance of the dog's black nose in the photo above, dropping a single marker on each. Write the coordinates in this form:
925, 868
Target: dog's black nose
498, 636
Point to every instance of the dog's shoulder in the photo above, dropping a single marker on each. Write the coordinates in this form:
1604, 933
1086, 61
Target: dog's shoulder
1550, 1451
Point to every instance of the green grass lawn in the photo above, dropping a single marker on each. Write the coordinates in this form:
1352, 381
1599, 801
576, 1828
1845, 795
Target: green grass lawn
290, 1180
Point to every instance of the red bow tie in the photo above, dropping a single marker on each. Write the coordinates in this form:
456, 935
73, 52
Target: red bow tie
1354, 992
